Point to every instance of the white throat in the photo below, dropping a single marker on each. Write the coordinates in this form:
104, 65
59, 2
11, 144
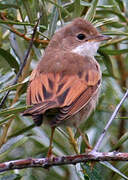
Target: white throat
87, 48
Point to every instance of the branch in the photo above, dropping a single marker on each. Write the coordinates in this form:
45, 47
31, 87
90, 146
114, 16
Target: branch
41, 41
23, 64
64, 160
109, 123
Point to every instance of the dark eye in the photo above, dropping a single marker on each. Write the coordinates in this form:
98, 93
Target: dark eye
81, 36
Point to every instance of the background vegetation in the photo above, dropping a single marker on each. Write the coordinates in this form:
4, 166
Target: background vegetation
18, 136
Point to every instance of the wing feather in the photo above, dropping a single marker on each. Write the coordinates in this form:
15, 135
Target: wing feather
67, 92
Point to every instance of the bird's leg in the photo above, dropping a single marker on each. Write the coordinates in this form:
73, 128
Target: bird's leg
72, 140
89, 147
84, 139
51, 140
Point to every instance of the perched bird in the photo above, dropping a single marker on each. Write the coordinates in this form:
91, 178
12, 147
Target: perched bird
64, 87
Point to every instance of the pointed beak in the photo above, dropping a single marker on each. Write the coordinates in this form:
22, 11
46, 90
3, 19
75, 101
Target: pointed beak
99, 38
102, 38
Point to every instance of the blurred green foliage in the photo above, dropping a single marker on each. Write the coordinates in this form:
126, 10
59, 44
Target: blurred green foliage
19, 138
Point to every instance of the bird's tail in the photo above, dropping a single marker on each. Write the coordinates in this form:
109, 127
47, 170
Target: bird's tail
37, 111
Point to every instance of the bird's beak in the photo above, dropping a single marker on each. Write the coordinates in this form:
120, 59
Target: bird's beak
99, 38
102, 38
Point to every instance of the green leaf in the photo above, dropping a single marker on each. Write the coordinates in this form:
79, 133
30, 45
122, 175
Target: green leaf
77, 8
115, 41
108, 11
11, 177
22, 131
120, 141
121, 4
27, 7
91, 11
107, 61
6, 119
104, 21
92, 173
110, 166
121, 33
60, 6
21, 24
13, 110
12, 144
14, 86
5, 6
9, 59
86, 4
114, 52
115, 6
44, 17
53, 21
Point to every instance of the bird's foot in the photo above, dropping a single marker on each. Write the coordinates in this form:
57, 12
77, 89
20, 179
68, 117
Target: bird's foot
50, 153
72, 140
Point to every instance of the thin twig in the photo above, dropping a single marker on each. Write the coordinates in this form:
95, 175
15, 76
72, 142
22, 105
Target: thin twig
22, 65
41, 41
109, 123
57, 161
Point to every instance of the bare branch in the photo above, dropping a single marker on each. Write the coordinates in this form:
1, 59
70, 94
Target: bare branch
22, 65
64, 160
109, 123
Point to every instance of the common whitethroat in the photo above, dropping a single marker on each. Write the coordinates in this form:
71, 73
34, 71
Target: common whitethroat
64, 87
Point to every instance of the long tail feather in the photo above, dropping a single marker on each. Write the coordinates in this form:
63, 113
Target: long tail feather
38, 109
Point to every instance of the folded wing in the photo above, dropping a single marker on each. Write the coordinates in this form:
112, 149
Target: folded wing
67, 92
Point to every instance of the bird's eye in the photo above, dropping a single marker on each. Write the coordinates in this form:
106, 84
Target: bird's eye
81, 36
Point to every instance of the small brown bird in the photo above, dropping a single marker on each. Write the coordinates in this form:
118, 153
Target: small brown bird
64, 87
